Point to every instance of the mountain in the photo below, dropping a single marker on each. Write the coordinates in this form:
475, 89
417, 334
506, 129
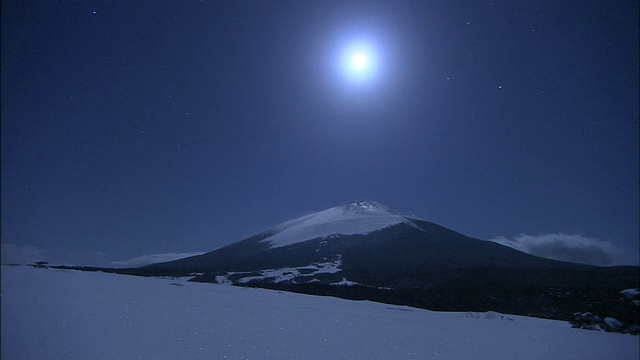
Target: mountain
364, 250
360, 236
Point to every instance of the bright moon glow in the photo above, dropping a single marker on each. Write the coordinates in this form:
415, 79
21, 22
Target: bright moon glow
359, 62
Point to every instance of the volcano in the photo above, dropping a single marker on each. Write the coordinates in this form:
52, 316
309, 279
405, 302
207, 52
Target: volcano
365, 250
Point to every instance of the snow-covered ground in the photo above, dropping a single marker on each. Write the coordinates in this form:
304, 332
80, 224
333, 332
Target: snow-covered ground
56, 314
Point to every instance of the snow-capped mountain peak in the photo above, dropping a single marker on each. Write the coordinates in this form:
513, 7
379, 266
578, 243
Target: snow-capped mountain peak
357, 217
365, 205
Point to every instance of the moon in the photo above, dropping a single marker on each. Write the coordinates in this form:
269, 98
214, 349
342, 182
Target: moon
359, 62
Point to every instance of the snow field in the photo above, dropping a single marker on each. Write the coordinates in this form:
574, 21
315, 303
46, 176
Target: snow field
55, 314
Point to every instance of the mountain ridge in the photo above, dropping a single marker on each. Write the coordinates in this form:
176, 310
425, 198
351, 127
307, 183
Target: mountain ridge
333, 237
365, 250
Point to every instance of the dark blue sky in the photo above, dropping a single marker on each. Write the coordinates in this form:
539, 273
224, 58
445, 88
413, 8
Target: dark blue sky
140, 127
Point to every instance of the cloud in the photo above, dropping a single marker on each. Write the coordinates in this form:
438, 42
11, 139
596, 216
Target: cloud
152, 259
21, 254
572, 248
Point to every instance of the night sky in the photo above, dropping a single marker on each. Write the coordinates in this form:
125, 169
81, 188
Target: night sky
145, 127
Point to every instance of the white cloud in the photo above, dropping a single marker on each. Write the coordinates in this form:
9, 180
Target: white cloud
152, 259
573, 248
22, 254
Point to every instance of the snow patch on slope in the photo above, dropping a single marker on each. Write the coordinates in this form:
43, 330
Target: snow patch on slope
631, 294
345, 282
290, 274
359, 217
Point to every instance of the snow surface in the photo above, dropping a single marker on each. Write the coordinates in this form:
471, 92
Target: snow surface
361, 217
63, 314
345, 282
287, 274
630, 293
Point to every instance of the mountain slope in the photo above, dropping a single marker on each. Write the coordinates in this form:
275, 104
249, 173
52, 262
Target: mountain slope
358, 217
364, 250
366, 236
